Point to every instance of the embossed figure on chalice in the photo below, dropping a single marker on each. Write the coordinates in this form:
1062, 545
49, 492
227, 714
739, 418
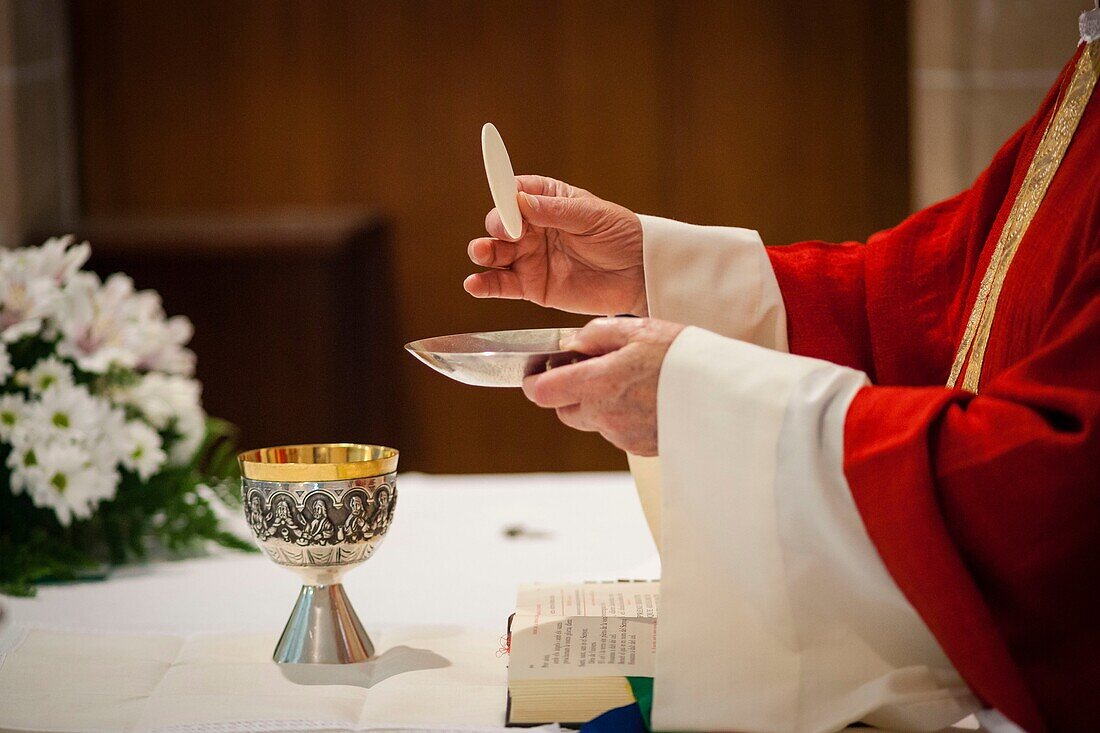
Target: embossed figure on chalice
254, 514
381, 517
281, 523
320, 510
355, 526
320, 528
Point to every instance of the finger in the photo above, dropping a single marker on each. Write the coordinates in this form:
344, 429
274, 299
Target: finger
539, 186
603, 335
561, 386
573, 215
494, 284
544, 186
576, 417
495, 227
489, 252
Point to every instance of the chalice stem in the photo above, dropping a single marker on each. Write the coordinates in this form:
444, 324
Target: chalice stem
323, 629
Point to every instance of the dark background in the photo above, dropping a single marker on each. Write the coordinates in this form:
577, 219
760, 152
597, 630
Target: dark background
302, 178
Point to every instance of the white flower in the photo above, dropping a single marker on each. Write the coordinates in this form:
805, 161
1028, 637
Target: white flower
162, 345
13, 412
48, 372
60, 260
20, 474
161, 340
170, 401
21, 458
5, 363
191, 426
68, 411
25, 302
94, 320
161, 398
31, 279
56, 259
141, 451
104, 324
62, 476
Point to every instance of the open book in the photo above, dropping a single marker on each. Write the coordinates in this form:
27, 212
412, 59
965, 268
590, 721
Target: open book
573, 646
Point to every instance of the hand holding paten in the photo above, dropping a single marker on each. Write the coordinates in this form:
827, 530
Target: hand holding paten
615, 392
577, 253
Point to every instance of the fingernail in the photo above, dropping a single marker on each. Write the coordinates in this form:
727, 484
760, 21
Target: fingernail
532, 201
567, 340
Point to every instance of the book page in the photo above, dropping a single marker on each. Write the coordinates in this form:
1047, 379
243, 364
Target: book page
584, 630
622, 599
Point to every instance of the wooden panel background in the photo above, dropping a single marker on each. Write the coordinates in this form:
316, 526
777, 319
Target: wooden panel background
786, 117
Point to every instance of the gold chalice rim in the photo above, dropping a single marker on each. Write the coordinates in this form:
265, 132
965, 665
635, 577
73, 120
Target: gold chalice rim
318, 462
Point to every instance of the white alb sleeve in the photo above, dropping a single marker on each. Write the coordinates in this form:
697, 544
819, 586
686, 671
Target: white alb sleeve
777, 613
717, 278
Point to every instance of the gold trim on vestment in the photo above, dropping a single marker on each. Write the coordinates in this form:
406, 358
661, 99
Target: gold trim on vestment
1048, 156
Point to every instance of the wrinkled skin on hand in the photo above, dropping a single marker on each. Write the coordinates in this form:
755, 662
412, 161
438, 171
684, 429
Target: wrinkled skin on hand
577, 253
615, 392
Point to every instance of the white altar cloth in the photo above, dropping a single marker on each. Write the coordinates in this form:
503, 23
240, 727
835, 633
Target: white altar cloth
442, 583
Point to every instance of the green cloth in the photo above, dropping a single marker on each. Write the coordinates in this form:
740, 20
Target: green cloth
642, 687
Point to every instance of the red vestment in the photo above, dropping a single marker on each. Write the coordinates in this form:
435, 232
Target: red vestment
985, 508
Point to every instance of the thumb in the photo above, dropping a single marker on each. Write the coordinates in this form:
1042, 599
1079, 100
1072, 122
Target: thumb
573, 215
603, 335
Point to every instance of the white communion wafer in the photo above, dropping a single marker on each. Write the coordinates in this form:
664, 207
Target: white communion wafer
502, 180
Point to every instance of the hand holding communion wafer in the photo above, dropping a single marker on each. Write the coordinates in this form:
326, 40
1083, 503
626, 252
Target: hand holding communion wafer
576, 252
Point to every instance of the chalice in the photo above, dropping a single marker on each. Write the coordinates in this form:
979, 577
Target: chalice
320, 510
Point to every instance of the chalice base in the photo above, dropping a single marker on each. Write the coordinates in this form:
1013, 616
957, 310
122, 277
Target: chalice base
323, 629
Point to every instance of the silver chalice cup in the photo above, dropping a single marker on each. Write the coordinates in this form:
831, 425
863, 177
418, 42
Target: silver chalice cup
320, 510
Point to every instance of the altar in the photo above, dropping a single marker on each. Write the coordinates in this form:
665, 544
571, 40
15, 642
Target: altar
435, 598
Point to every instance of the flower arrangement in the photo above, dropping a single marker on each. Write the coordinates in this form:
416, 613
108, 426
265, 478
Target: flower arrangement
104, 445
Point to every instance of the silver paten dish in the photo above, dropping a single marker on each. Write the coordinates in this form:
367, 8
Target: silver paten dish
496, 358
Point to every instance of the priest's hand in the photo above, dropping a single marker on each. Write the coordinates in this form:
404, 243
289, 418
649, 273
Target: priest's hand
577, 253
614, 393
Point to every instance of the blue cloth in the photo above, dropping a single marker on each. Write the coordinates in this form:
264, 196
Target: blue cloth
627, 719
